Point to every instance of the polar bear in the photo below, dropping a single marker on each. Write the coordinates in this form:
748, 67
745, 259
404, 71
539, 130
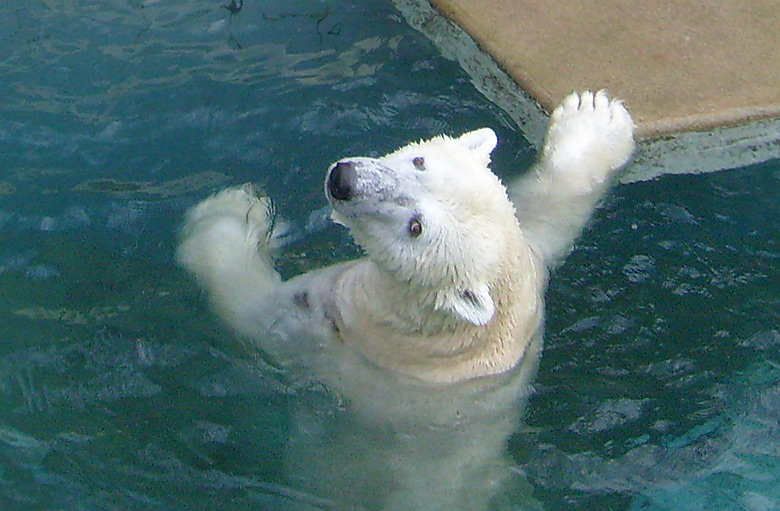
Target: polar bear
452, 282
441, 322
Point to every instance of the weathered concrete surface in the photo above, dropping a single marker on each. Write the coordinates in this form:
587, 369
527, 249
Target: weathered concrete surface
681, 65
700, 77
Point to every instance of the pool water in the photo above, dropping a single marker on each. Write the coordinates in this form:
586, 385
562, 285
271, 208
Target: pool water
659, 387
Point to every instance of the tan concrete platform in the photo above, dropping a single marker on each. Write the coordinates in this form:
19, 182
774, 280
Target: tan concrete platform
681, 66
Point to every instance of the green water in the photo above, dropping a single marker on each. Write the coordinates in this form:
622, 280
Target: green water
659, 385
660, 374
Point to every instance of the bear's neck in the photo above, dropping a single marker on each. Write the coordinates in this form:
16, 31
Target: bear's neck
397, 326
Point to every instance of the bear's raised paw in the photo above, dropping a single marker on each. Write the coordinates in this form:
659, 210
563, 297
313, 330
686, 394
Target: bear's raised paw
590, 136
224, 227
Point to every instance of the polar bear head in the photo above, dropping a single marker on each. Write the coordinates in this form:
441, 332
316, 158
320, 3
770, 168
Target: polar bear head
433, 216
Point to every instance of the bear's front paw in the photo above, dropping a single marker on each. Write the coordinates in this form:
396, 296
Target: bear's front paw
240, 202
225, 228
590, 136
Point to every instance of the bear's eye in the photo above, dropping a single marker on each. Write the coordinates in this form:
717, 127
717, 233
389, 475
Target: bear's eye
415, 227
418, 162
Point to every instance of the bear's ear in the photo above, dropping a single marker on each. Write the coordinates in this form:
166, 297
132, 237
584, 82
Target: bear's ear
481, 142
474, 305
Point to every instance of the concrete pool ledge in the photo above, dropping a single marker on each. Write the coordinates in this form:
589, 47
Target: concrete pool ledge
702, 81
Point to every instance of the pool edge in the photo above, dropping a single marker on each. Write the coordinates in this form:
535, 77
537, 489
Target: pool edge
675, 146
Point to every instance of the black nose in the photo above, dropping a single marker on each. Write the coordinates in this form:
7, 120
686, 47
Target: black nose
342, 180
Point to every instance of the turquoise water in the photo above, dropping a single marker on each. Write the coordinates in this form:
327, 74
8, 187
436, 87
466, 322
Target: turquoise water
659, 388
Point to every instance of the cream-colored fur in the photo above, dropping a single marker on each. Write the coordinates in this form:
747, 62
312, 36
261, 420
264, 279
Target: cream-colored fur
459, 301
589, 139
444, 313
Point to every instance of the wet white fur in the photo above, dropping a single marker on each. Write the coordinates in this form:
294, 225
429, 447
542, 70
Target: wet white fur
589, 138
426, 306
410, 333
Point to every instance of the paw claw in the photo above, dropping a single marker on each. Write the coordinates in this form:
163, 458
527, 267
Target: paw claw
570, 103
601, 101
586, 101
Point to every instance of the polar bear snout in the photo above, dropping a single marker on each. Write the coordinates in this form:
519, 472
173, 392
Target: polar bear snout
342, 181
355, 179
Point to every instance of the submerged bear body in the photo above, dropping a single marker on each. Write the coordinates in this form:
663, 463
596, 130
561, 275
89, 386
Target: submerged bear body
452, 284
434, 335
